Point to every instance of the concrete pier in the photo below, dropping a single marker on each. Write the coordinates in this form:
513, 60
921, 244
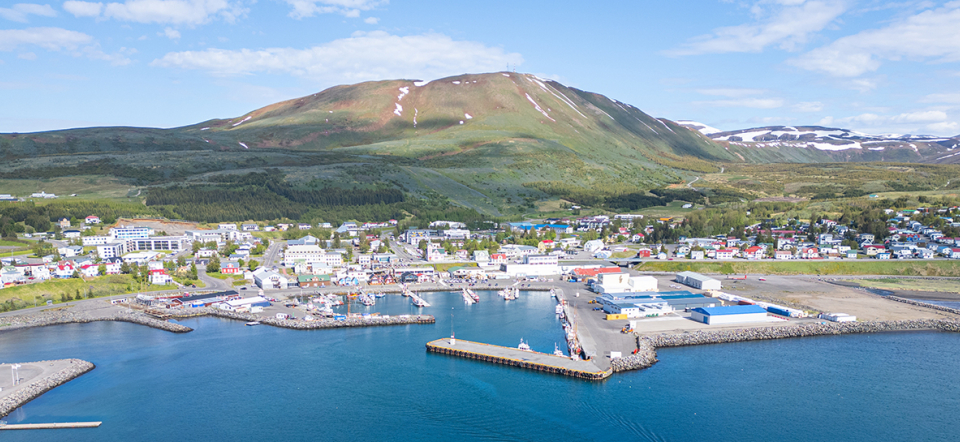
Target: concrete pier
518, 358
52, 426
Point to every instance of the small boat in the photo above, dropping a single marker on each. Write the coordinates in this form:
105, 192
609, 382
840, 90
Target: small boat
556, 350
523, 346
252, 323
466, 297
559, 309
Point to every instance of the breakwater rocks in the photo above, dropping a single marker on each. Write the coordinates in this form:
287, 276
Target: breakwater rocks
82, 316
299, 324
924, 304
32, 391
797, 331
645, 357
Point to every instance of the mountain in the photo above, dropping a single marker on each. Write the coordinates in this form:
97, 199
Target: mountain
501, 137
817, 143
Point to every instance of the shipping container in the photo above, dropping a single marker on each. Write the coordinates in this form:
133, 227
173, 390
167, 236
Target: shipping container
612, 316
778, 311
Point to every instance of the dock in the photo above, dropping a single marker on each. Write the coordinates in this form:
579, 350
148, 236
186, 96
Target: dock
530, 360
52, 426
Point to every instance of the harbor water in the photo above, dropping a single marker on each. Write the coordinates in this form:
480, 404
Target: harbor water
226, 382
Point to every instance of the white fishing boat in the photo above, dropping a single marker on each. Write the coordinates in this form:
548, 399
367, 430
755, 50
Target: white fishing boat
556, 350
559, 309
473, 295
523, 346
252, 323
466, 297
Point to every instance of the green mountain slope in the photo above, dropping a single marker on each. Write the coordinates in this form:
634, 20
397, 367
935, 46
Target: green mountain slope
495, 139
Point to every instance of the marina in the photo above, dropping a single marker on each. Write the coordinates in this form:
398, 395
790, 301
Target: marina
521, 358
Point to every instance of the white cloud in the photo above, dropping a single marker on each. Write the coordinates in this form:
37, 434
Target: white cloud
731, 92
789, 24
58, 39
83, 9
187, 12
170, 33
53, 39
756, 103
808, 106
371, 20
27, 56
364, 56
944, 127
864, 85
825, 121
919, 117
20, 11
950, 98
928, 35
349, 8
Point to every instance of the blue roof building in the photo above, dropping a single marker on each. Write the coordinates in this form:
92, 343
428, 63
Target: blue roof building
729, 314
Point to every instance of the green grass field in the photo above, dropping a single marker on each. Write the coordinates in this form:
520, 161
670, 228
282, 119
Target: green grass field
84, 186
804, 267
912, 284
52, 289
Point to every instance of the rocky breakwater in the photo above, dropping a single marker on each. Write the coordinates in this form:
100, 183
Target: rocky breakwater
46, 383
645, 357
81, 315
924, 304
797, 331
319, 323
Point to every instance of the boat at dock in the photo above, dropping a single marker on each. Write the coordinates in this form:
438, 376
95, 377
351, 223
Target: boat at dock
523, 346
556, 350
472, 294
418, 301
466, 297
252, 323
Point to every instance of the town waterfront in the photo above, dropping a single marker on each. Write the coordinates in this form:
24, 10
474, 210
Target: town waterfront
225, 381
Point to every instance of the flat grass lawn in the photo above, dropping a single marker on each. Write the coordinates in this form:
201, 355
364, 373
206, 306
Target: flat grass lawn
809, 267
101, 286
912, 284
7, 243
447, 266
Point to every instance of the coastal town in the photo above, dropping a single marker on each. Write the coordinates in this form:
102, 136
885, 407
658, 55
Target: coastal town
307, 276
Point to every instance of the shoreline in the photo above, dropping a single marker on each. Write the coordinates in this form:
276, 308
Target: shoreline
647, 346
299, 324
37, 388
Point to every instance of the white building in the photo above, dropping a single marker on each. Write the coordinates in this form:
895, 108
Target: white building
734, 314
303, 252
95, 240
593, 246
268, 279
624, 283
124, 233
698, 281
114, 249
541, 260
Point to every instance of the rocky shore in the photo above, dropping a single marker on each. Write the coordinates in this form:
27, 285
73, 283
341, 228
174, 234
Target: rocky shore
798, 331
646, 354
81, 315
299, 324
32, 391
924, 304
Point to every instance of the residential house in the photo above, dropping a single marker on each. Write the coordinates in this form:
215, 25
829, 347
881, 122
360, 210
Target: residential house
160, 277
229, 267
725, 253
755, 252
783, 254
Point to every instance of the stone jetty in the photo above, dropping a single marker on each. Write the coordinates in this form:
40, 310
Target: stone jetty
300, 324
80, 315
21, 395
646, 354
924, 304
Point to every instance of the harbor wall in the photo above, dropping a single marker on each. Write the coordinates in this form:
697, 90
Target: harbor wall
82, 317
37, 388
530, 365
299, 324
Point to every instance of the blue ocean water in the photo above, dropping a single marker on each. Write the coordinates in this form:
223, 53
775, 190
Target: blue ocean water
226, 382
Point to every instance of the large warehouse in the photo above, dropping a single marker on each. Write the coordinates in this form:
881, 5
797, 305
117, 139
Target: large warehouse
734, 314
679, 300
698, 281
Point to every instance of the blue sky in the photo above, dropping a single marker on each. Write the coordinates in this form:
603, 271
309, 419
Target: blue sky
872, 66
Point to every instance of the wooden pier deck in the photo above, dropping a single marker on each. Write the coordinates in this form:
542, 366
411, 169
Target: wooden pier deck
518, 358
56, 425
